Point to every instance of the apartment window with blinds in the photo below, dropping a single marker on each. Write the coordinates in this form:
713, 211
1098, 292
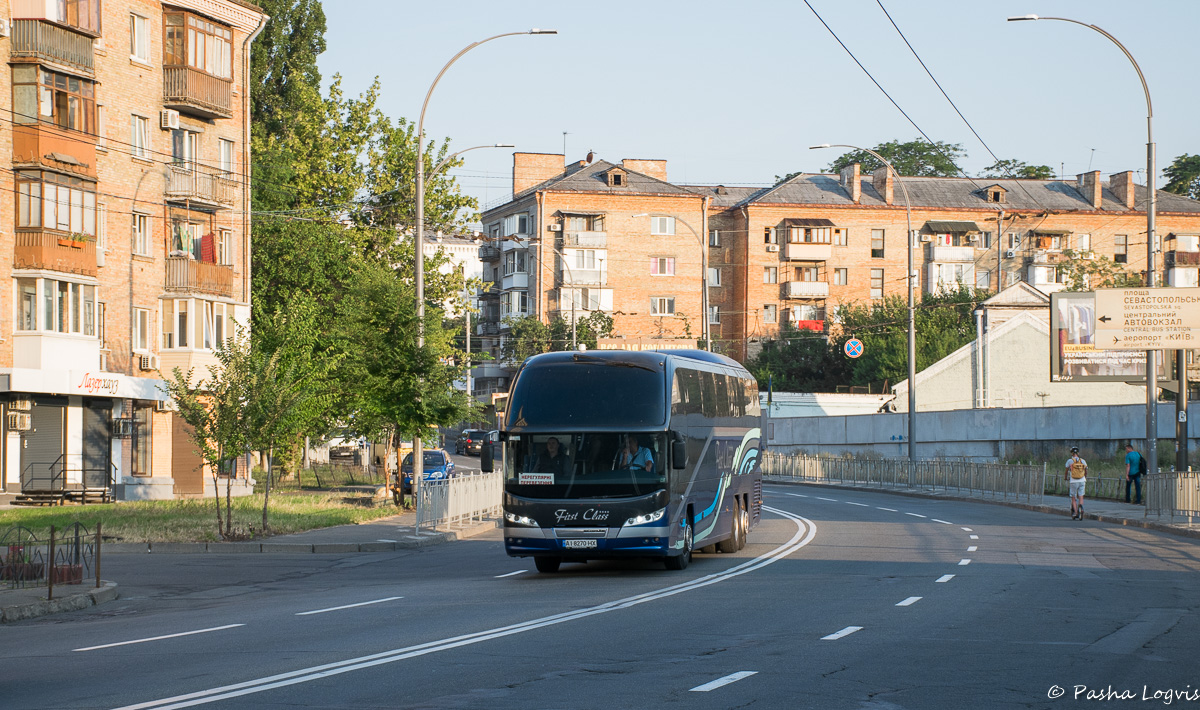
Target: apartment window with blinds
585, 258
139, 136
770, 274
662, 266
662, 306
770, 313
841, 237
225, 156
770, 235
841, 277
714, 277
876, 283
714, 238
1121, 248
714, 314
876, 243
225, 247
141, 234
139, 38
141, 329
662, 225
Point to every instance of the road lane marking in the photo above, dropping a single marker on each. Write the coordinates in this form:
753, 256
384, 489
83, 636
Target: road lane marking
945, 578
910, 601
943, 522
890, 510
863, 505
963, 563
916, 515
840, 634
160, 638
510, 574
967, 529
805, 533
348, 606
382, 540
831, 500
974, 537
972, 548
731, 678
798, 495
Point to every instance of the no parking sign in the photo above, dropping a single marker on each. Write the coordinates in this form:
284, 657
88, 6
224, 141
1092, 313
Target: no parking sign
853, 347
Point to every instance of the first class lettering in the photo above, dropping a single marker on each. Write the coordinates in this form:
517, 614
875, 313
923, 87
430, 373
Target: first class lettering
563, 515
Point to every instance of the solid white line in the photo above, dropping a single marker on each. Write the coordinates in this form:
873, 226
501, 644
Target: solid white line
910, 601
844, 632
831, 500
798, 495
972, 548
890, 510
916, 515
382, 540
348, 606
974, 537
963, 563
863, 505
967, 529
805, 533
510, 574
160, 638
945, 578
731, 678
943, 522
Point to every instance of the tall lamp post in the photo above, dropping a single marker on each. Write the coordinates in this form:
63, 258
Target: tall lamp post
419, 235
912, 317
570, 275
1151, 205
704, 329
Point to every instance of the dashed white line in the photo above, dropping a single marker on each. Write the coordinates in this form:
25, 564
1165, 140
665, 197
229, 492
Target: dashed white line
348, 606
844, 632
967, 529
945, 578
943, 522
798, 495
963, 563
890, 510
910, 601
917, 515
861, 505
974, 537
831, 500
382, 540
731, 678
972, 548
160, 638
510, 574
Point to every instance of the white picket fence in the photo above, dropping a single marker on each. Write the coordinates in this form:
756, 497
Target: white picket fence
472, 497
1173, 493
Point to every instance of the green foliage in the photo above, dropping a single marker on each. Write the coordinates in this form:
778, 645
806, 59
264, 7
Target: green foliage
798, 361
529, 336
1183, 176
1017, 169
1085, 271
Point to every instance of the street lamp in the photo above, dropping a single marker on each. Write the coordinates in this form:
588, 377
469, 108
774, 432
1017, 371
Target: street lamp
704, 329
571, 275
912, 317
419, 234
1152, 203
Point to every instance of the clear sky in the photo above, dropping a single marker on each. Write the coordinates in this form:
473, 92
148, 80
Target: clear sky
734, 92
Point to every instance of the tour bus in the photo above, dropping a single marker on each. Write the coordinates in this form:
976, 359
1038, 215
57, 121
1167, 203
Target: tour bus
619, 454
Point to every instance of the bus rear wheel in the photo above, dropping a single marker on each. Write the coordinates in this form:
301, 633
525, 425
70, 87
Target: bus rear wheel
547, 564
681, 561
730, 544
743, 527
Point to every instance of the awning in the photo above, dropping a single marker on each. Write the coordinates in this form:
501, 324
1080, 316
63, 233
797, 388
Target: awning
939, 227
808, 223
1052, 232
580, 213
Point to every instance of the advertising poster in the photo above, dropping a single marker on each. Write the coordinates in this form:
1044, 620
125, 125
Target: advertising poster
1073, 354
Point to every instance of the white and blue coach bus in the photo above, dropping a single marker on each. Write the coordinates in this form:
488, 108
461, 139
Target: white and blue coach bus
616, 454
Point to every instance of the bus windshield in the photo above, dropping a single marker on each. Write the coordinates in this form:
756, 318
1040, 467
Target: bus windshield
604, 465
588, 393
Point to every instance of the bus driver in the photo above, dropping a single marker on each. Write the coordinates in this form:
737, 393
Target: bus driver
634, 456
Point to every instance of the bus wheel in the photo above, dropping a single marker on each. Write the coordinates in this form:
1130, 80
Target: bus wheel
730, 544
681, 561
743, 527
547, 564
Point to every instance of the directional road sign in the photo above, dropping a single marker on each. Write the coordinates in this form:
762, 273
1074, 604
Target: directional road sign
853, 347
1147, 318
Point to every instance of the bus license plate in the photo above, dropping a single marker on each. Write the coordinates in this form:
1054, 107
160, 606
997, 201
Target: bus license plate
579, 544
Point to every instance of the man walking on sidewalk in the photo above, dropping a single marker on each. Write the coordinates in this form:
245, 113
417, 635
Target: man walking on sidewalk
1076, 475
1135, 466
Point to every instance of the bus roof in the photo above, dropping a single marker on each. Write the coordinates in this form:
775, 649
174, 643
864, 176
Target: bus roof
640, 357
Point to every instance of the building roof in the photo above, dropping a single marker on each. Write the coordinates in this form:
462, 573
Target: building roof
722, 196
593, 178
1019, 295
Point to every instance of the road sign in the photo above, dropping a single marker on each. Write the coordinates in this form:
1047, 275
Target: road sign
853, 347
1147, 318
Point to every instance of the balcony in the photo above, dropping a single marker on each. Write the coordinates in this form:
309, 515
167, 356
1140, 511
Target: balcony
34, 39
1182, 258
1048, 258
488, 253
590, 240
516, 280
943, 254
42, 350
1186, 277
490, 370
489, 328
583, 277
53, 251
187, 275
514, 242
198, 184
44, 144
808, 252
806, 289
191, 91
202, 361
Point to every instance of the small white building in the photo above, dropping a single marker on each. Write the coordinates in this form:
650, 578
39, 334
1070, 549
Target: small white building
817, 404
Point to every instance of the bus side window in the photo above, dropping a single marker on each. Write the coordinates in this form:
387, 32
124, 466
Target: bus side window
708, 383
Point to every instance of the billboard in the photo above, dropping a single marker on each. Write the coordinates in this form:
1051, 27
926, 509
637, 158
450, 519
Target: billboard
1073, 353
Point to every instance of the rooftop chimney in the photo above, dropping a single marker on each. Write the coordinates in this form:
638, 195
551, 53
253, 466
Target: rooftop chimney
1088, 185
529, 169
653, 168
1121, 185
884, 184
852, 181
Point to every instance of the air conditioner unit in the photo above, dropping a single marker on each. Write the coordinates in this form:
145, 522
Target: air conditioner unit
5, 27
168, 119
19, 421
973, 237
554, 227
148, 362
1010, 254
23, 405
772, 247
926, 237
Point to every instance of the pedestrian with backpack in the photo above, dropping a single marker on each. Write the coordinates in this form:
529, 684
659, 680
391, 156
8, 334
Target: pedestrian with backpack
1135, 466
1076, 475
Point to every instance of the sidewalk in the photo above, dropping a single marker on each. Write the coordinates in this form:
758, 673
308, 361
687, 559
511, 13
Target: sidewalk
382, 535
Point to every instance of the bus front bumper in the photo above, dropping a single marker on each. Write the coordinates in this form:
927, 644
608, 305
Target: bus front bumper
632, 541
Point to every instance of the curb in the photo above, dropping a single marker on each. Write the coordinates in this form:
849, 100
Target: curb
1099, 517
75, 602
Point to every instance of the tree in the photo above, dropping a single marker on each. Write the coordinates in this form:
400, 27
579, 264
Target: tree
527, 336
1085, 271
798, 361
1017, 169
1183, 176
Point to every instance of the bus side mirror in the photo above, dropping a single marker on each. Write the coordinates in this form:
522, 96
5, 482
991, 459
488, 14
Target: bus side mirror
485, 457
679, 454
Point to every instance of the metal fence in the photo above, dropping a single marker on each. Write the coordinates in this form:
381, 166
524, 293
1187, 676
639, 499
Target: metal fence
1112, 487
991, 480
1172, 493
459, 500
69, 555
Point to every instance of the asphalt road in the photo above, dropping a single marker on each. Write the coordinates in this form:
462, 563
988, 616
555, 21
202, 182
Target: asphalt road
841, 600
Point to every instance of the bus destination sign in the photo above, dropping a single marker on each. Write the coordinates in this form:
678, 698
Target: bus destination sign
1147, 318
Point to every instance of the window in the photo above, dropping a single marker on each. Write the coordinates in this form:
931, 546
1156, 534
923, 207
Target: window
514, 263
1121, 248
101, 326
714, 314
714, 277
949, 277
662, 306
1014, 240
585, 223
983, 280
514, 303
986, 240
876, 246
141, 234
141, 329
662, 225
189, 40
26, 304
770, 274
139, 38
67, 307
225, 247
52, 97
809, 235
139, 136
1083, 242
585, 258
662, 266
102, 226
770, 235
587, 299
516, 224
841, 237
841, 277
770, 313
101, 127
876, 283
80, 14
184, 147
808, 273
714, 238
143, 434
52, 201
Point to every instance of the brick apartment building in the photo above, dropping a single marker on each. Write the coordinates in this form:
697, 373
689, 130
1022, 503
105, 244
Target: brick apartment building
128, 230
792, 252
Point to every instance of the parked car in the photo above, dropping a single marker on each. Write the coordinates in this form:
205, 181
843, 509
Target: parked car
469, 441
437, 467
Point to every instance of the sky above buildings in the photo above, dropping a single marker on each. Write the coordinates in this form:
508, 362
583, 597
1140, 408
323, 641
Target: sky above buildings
734, 93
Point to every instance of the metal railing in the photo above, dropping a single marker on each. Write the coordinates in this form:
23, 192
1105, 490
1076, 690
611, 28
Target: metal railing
1112, 487
1172, 493
43, 40
186, 274
197, 182
197, 92
459, 500
990, 480
68, 555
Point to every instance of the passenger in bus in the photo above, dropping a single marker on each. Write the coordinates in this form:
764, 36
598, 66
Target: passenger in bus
634, 456
553, 459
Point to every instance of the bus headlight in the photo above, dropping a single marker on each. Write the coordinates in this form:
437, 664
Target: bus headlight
520, 520
647, 518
